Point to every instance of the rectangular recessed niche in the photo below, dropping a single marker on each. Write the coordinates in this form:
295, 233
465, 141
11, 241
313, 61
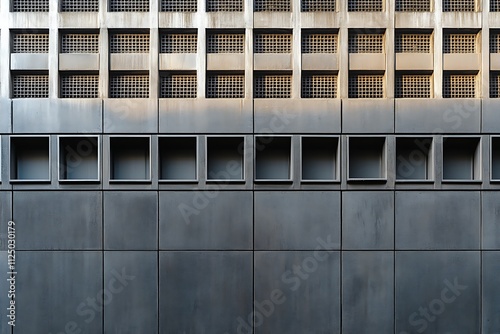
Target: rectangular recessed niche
495, 158
319, 159
414, 159
367, 159
30, 159
225, 158
78, 159
461, 159
178, 159
273, 159
130, 159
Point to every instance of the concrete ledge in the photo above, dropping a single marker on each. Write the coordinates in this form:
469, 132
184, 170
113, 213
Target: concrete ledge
226, 61
57, 115
130, 115
368, 115
495, 61
177, 61
462, 62
79, 62
272, 20
178, 20
226, 20
367, 61
320, 61
470, 20
27, 20
272, 61
364, 20
415, 61
319, 20
128, 19
297, 115
417, 20
29, 61
78, 20
205, 115
128, 61
438, 115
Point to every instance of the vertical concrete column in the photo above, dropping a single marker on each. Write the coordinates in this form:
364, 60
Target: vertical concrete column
103, 50
248, 12
53, 50
154, 49
296, 50
343, 63
201, 67
5, 49
390, 82
438, 50
484, 76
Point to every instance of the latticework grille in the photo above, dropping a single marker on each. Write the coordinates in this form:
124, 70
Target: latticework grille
364, 5
226, 43
30, 86
460, 43
129, 43
178, 86
30, 5
226, 86
272, 86
273, 43
413, 86
80, 43
79, 5
459, 5
30, 43
179, 5
224, 5
413, 6
317, 5
129, 86
459, 85
366, 86
319, 43
79, 86
494, 42
319, 86
494, 6
413, 43
129, 6
178, 43
495, 84
366, 43
272, 6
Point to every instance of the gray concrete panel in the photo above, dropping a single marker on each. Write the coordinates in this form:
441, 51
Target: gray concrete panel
320, 62
59, 292
295, 220
368, 220
367, 61
129, 61
367, 292
29, 61
225, 62
79, 62
491, 121
58, 219
206, 220
133, 306
130, 115
204, 292
297, 292
437, 220
130, 220
206, 116
438, 292
177, 61
59, 116
491, 293
368, 115
4, 284
491, 219
5, 115
5, 217
438, 115
297, 116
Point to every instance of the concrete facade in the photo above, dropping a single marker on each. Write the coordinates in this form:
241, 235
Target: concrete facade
196, 170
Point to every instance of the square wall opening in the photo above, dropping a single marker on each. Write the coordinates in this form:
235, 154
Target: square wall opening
367, 158
225, 158
273, 158
78, 159
130, 159
319, 159
414, 159
461, 159
30, 159
178, 158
